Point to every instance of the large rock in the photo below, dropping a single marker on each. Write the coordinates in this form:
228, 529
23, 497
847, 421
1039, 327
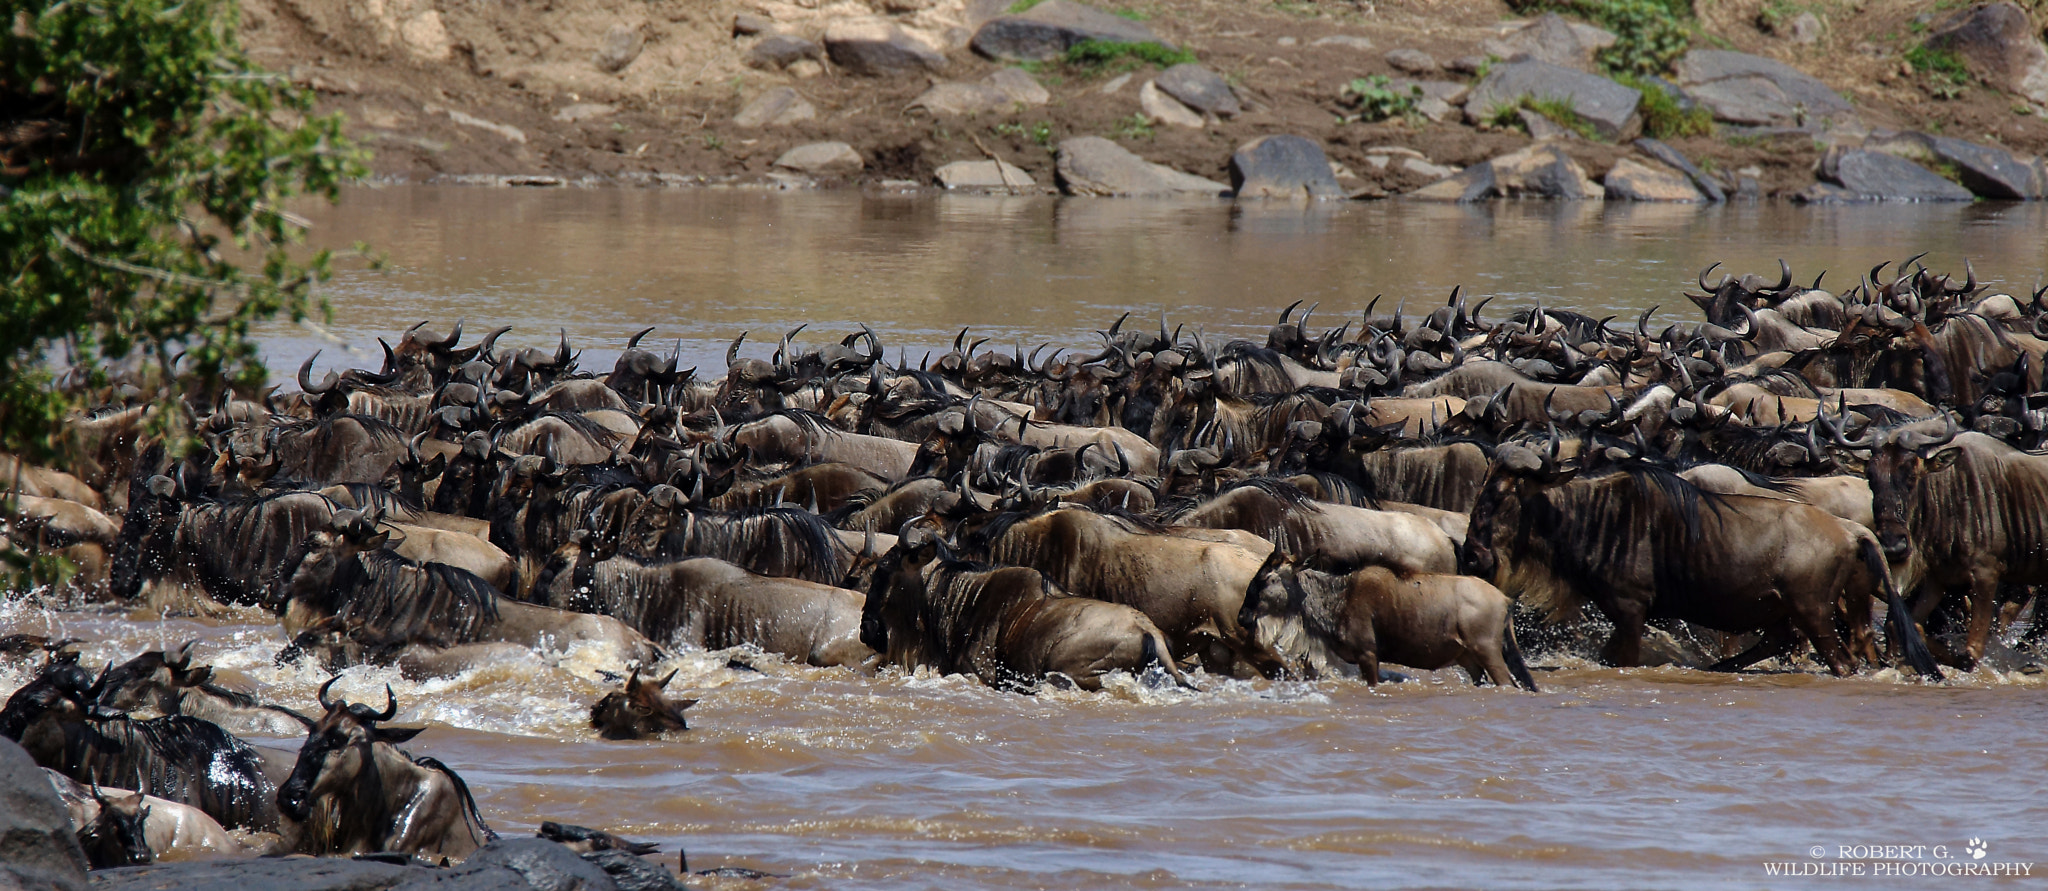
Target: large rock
1608, 107
268, 874
1018, 86
1163, 109
1755, 91
634, 873
1633, 180
545, 865
955, 98
1539, 171
2001, 45
1670, 157
1282, 167
776, 51
1091, 165
1412, 61
775, 108
1991, 172
1046, 30
1450, 92
1876, 176
1550, 38
878, 48
622, 44
983, 175
1200, 89
822, 159
38, 850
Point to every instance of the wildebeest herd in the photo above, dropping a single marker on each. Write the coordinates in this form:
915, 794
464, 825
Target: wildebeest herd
1394, 489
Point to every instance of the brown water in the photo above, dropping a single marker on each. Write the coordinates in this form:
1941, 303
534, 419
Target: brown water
1645, 778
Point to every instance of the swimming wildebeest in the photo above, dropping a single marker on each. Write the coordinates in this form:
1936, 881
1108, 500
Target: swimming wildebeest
357, 793
640, 710
1374, 615
165, 685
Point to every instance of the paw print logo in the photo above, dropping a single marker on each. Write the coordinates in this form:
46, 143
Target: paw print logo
1977, 848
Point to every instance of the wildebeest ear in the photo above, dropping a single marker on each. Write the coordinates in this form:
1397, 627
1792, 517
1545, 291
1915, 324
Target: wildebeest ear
196, 676
395, 735
681, 704
373, 542
1944, 459
434, 467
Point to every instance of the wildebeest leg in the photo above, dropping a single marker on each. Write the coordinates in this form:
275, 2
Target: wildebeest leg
1625, 646
1983, 608
1776, 641
1369, 667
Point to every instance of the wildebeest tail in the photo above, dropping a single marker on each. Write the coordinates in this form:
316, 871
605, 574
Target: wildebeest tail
1156, 650
1896, 616
1511, 653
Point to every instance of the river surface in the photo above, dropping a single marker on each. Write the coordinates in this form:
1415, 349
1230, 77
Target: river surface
1642, 778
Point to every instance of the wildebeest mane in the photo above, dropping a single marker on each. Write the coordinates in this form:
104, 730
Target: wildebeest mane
386, 600
1594, 527
1258, 369
788, 542
180, 758
243, 551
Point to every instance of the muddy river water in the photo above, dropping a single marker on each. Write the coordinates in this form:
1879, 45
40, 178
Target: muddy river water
1642, 778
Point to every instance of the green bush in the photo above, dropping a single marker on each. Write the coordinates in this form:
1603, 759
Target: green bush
1940, 64
1663, 118
1649, 34
1106, 54
1376, 100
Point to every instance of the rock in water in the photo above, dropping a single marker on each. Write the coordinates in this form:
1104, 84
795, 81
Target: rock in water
822, 158
1200, 89
545, 865
1608, 107
1091, 165
775, 108
983, 175
1633, 180
38, 850
1992, 172
1539, 171
1282, 167
2001, 45
1046, 31
878, 48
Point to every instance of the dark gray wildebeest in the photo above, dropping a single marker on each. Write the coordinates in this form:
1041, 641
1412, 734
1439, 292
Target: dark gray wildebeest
165, 829
388, 606
56, 718
1422, 620
640, 710
1190, 582
1333, 537
1009, 626
356, 792
155, 684
117, 834
1642, 543
1957, 513
709, 603
240, 551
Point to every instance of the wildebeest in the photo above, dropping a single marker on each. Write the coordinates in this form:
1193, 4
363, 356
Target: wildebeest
168, 830
1334, 536
1958, 512
117, 833
639, 710
1642, 543
1374, 615
356, 792
1008, 625
158, 684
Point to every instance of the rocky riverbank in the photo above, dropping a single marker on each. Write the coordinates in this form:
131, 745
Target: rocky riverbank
1451, 100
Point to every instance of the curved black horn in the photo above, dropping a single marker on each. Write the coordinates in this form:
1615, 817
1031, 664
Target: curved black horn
327, 381
1702, 278
390, 706
634, 341
1287, 312
321, 697
732, 352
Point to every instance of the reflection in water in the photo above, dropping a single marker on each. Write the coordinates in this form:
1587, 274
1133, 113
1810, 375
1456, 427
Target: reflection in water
706, 265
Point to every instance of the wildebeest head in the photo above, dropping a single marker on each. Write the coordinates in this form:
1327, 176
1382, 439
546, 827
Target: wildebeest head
1518, 473
63, 690
337, 757
151, 682
640, 710
1898, 460
149, 532
117, 836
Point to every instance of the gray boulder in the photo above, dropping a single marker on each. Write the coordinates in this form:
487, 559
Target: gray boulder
1282, 167
1760, 92
1450, 92
622, 44
1608, 106
1671, 158
38, 848
1633, 180
1412, 61
822, 158
2001, 45
878, 48
1200, 89
545, 865
1991, 172
1091, 165
1539, 171
1346, 41
275, 874
1875, 176
1046, 30
778, 107
1550, 38
776, 51
983, 175
1018, 86
955, 98
750, 23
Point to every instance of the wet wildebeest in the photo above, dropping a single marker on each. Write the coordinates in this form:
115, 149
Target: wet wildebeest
1334, 537
640, 710
357, 793
1190, 583
180, 758
169, 830
156, 684
117, 835
709, 603
1958, 512
1008, 625
238, 551
1374, 615
1642, 543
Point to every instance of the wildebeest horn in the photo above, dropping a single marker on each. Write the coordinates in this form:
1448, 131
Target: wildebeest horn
390, 706
957, 338
874, 344
327, 382
1287, 312
321, 697
1923, 443
1784, 276
1301, 325
2039, 330
1867, 441
409, 331
1750, 324
454, 334
1118, 325
1643, 322
490, 343
1537, 320
732, 352
1476, 307
634, 341
1702, 279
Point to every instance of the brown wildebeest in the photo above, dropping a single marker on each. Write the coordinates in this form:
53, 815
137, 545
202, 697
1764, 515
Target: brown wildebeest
1335, 536
168, 830
1641, 543
357, 793
640, 710
155, 683
1009, 626
1374, 615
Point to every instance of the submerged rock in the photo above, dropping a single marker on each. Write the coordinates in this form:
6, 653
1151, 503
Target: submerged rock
1283, 166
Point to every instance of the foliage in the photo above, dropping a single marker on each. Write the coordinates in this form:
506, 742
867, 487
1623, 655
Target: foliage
1137, 126
1022, 6
1376, 100
1123, 55
1663, 116
1562, 112
144, 171
1940, 64
1136, 15
1040, 132
1649, 34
